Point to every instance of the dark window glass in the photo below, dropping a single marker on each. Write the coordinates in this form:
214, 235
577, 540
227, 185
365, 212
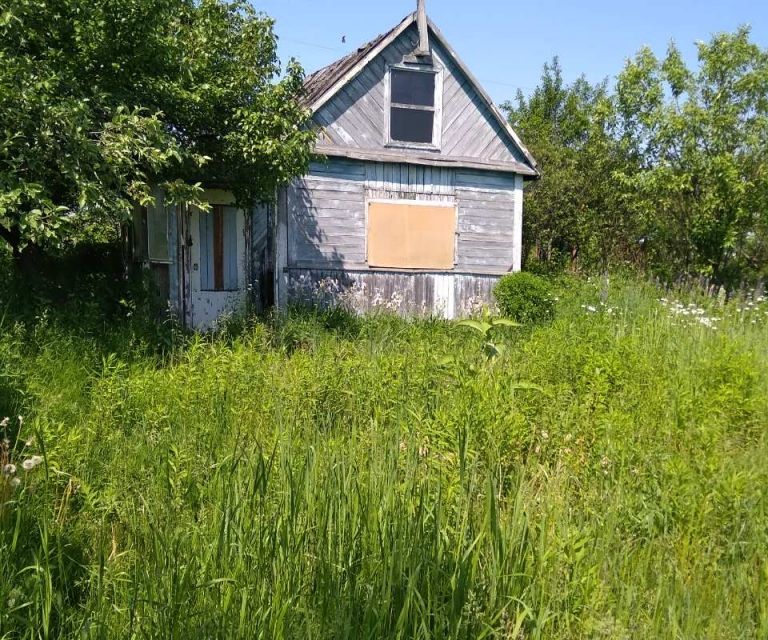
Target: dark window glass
411, 125
139, 233
413, 87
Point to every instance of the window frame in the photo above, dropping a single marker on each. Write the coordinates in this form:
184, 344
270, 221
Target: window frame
447, 204
155, 231
437, 110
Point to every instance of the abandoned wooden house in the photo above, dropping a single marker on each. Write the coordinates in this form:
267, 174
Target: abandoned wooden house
414, 203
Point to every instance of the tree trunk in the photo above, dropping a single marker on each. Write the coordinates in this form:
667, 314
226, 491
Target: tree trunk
13, 237
574, 257
26, 258
28, 261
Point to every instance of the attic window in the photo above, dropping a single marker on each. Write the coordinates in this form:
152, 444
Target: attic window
413, 110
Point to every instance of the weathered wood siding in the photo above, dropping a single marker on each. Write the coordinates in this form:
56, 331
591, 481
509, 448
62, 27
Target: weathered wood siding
175, 300
487, 241
356, 117
261, 267
448, 295
326, 212
324, 216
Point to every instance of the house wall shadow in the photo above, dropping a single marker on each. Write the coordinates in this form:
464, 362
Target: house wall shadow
326, 239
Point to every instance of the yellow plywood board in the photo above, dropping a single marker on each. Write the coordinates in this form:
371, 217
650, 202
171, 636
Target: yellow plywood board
411, 236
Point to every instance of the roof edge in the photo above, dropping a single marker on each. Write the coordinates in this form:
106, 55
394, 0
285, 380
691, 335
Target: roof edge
484, 95
362, 63
410, 19
518, 168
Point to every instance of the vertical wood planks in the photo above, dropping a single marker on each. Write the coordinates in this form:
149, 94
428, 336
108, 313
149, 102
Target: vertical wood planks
218, 247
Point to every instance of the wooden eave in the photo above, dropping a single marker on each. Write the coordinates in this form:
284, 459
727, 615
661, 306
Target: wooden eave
426, 160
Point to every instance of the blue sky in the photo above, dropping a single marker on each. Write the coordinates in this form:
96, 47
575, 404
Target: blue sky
506, 43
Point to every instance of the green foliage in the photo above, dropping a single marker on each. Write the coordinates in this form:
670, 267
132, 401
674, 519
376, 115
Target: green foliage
324, 477
573, 214
700, 158
665, 171
100, 100
525, 298
485, 328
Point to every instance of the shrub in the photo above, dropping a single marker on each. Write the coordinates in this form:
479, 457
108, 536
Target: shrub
525, 297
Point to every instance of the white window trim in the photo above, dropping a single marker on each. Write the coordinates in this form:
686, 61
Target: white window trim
437, 124
424, 203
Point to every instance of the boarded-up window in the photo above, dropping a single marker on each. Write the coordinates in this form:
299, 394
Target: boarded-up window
218, 249
157, 234
411, 236
412, 108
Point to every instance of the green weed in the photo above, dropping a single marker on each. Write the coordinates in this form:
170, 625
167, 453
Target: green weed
326, 476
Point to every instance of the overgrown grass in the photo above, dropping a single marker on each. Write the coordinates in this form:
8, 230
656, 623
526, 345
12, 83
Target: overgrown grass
331, 477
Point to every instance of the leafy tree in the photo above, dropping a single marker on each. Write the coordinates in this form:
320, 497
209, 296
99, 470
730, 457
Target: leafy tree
668, 171
698, 144
101, 99
572, 213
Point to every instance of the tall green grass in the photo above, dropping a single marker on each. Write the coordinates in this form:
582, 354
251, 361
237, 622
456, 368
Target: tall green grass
325, 476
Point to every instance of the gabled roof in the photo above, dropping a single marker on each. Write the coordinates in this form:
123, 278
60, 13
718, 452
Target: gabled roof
325, 83
319, 82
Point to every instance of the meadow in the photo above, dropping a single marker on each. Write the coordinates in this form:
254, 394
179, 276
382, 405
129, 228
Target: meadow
603, 475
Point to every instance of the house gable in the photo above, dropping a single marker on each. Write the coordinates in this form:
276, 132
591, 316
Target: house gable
350, 103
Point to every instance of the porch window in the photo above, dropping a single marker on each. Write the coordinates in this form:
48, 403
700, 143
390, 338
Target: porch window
157, 234
409, 235
150, 234
218, 249
412, 114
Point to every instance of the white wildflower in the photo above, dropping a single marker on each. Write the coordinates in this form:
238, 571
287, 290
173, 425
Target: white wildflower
31, 463
4, 422
15, 482
9, 469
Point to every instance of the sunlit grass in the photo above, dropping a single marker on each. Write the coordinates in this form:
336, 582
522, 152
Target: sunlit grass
332, 477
